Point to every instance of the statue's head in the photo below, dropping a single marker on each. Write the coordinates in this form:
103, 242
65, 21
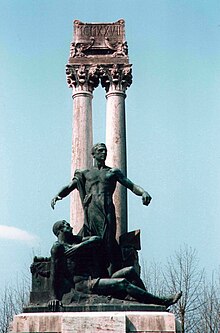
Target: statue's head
61, 225
99, 150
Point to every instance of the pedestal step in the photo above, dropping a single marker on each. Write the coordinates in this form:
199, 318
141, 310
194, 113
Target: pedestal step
96, 322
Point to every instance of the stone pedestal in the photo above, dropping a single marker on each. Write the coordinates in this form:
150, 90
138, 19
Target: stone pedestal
96, 322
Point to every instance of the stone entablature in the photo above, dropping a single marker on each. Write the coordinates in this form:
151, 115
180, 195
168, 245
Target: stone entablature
100, 43
84, 31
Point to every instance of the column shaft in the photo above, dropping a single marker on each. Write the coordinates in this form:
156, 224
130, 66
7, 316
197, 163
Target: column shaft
82, 141
116, 145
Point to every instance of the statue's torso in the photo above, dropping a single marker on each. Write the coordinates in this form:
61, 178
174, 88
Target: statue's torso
100, 181
86, 262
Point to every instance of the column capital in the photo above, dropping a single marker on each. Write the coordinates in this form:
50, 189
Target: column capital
116, 77
82, 77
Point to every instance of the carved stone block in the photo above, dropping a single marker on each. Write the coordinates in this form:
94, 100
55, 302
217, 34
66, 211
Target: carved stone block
99, 43
99, 322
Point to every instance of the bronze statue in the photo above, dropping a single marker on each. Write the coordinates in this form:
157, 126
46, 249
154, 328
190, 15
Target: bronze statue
96, 187
79, 263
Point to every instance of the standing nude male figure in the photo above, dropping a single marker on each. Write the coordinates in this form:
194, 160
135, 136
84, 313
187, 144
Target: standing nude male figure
96, 187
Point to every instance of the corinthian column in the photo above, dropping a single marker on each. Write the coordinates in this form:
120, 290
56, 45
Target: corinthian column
116, 79
82, 79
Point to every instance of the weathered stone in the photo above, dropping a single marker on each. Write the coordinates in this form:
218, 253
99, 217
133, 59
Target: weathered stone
116, 143
83, 80
99, 322
81, 149
99, 43
116, 79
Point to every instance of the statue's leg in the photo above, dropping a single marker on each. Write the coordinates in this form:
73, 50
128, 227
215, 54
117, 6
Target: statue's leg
112, 287
130, 274
144, 297
113, 248
120, 288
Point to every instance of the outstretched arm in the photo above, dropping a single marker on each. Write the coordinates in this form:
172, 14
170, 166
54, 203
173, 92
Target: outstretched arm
136, 189
64, 192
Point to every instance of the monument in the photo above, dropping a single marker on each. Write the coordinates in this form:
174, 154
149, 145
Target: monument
91, 281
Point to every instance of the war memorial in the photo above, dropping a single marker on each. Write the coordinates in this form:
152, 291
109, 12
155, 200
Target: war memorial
91, 281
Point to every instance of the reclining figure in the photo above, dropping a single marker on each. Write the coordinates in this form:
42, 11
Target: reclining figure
80, 264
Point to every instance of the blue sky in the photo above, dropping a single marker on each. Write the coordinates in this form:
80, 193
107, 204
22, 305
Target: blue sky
173, 120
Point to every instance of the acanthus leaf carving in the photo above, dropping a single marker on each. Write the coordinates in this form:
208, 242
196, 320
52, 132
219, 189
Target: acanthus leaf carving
116, 77
82, 77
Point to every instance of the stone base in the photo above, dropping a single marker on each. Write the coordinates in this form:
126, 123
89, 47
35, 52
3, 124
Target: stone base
96, 322
118, 306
